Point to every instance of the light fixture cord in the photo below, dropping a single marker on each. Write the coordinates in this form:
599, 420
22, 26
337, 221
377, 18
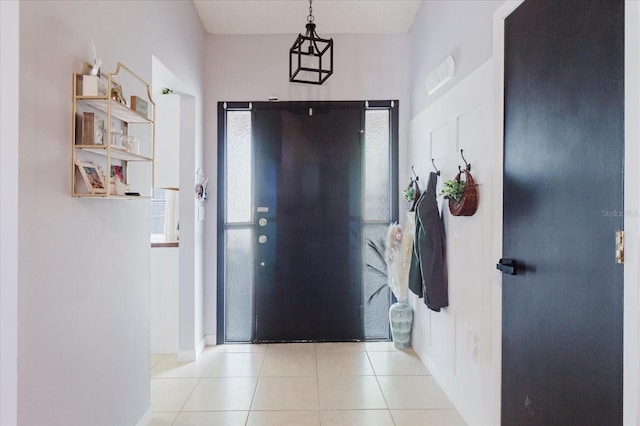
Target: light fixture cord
310, 18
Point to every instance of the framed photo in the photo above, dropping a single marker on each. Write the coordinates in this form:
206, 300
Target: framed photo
92, 129
92, 176
116, 171
140, 106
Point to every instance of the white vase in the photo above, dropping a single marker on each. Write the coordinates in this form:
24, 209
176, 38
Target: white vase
401, 319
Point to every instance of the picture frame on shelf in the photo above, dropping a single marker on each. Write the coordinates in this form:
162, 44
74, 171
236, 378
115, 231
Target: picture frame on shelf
91, 129
140, 106
92, 176
116, 171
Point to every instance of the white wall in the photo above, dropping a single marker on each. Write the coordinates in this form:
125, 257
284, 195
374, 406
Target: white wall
167, 158
190, 297
9, 103
443, 27
472, 380
252, 68
191, 334
459, 115
457, 343
83, 301
164, 300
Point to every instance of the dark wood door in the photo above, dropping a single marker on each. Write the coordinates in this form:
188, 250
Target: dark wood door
563, 202
308, 221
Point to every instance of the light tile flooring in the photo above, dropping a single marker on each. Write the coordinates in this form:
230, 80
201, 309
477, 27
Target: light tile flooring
299, 384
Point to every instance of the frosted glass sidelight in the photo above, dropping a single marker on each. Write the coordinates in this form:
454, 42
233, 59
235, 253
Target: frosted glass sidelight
376, 320
238, 278
238, 163
377, 162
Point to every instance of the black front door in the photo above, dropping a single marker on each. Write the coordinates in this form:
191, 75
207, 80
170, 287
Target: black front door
563, 202
308, 258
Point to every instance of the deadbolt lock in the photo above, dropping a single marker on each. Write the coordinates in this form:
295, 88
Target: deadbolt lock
620, 246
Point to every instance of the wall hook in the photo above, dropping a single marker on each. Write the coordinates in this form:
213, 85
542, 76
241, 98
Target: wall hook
468, 165
434, 167
414, 173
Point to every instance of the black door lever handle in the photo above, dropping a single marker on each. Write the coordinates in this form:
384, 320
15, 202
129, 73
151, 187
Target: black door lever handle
507, 266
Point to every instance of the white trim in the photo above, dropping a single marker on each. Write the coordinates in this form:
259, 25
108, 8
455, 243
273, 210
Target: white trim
192, 355
200, 347
146, 418
499, 17
9, 221
211, 340
631, 360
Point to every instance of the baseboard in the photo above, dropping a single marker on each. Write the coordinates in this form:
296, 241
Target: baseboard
211, 339
146, 418
192, 355
200, 347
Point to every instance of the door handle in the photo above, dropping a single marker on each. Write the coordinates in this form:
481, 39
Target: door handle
508, 266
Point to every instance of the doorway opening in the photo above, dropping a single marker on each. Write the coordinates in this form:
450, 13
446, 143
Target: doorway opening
301, 187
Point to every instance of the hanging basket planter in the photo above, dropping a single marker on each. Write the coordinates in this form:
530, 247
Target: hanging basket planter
468, 203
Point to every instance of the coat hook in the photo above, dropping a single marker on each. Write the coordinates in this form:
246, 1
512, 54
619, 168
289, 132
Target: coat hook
414, 173
434, 167
468, 165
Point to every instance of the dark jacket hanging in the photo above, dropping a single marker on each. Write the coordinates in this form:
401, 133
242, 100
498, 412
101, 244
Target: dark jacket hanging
430, 251
415, 276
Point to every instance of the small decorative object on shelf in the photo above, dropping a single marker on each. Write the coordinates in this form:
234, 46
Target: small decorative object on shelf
116, 93
130, 143
108, 135
91, 85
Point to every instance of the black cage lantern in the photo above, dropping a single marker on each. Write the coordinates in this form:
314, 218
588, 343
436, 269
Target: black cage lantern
310, 57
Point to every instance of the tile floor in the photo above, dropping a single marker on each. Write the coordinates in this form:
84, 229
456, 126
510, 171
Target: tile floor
299, 384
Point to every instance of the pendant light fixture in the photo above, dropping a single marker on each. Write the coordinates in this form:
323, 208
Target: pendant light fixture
310, 57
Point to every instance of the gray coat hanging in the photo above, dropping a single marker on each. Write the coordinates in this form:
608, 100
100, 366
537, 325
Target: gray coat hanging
428, 273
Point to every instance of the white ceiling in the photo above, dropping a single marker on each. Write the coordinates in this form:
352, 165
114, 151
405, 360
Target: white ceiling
290, 16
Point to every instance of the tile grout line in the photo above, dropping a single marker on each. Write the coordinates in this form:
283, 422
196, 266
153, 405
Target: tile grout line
318, 384
186, 400
255, 390
375, 374
368, 353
